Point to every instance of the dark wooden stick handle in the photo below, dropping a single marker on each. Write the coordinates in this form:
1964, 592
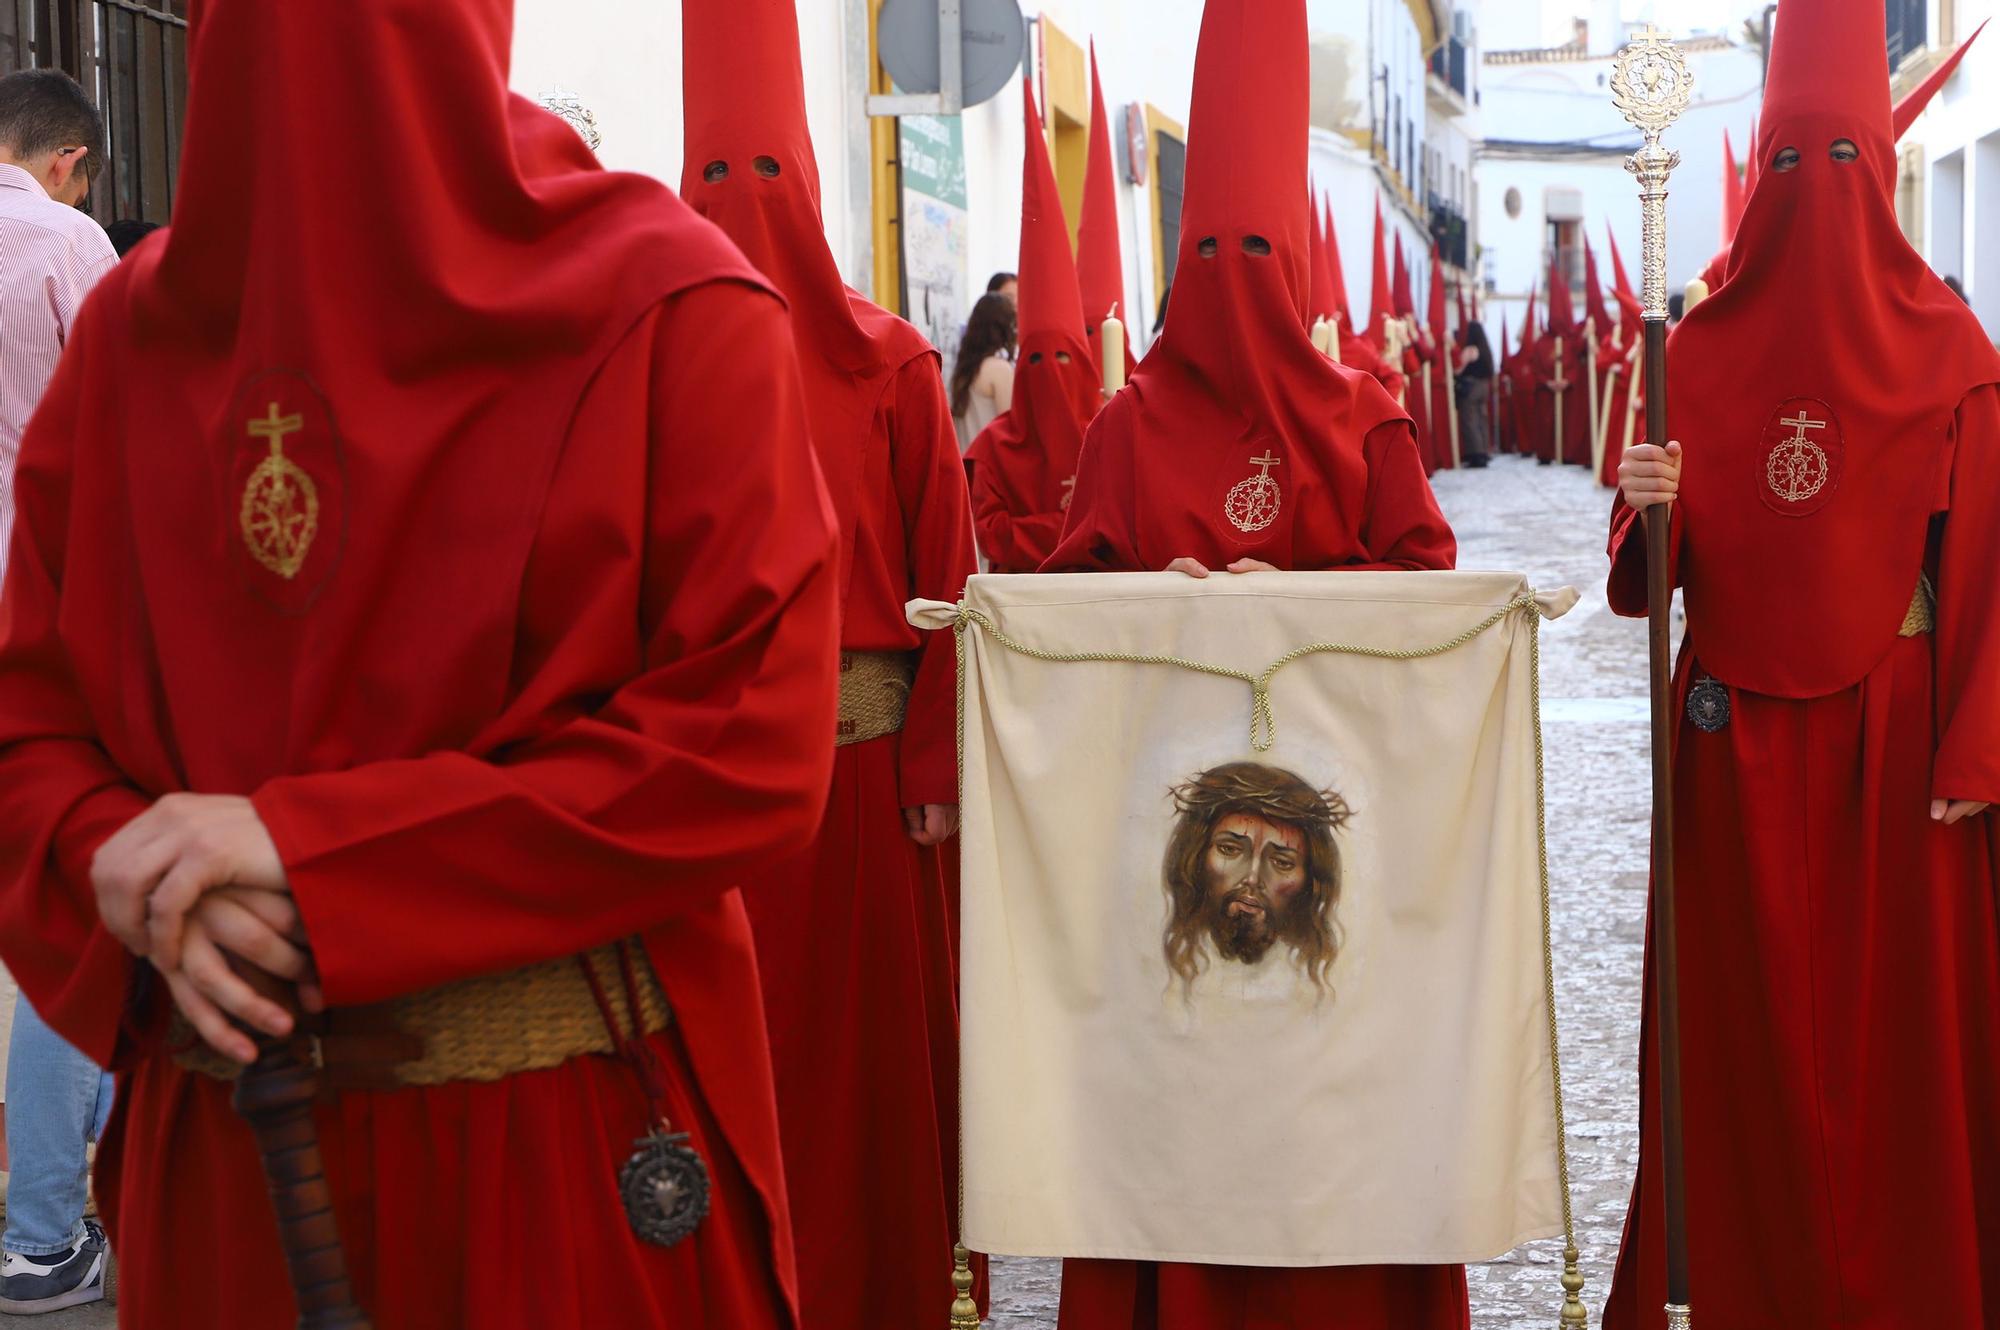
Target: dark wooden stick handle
1666, 932
276, 1096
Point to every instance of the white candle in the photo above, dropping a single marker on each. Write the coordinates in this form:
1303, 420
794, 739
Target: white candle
1697, 291
1114, 356
1321, 335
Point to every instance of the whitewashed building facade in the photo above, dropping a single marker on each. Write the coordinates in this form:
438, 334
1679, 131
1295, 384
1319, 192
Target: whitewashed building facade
1950, 196
1383, 125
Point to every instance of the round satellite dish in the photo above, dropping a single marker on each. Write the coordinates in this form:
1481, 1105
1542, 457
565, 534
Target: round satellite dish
996, 37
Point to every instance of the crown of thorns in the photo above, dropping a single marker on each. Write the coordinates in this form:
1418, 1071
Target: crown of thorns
1248, 788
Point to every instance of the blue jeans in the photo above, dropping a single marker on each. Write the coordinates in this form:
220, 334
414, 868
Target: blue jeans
57, 1102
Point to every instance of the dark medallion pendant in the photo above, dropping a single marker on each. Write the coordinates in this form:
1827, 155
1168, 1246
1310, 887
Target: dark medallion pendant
665, 1185
1708, 706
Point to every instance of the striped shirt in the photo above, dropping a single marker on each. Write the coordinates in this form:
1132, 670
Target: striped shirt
50, 257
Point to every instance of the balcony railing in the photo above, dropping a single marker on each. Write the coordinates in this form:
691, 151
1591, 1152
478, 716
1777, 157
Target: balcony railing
1451, 64
1909, 31
1452, 232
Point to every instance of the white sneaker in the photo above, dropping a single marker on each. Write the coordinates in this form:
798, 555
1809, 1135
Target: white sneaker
30, 1285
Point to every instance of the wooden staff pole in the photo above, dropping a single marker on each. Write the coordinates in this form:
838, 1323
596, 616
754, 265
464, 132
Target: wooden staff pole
1632, 399
1448, 356
1611, 377
1596, 387
1652, 86
1560, 387
276, 1097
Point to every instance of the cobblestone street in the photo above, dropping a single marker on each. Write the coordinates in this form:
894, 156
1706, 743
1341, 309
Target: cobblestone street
1550, 525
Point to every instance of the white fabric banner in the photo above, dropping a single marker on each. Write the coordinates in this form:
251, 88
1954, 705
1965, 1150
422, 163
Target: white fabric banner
1282, 1007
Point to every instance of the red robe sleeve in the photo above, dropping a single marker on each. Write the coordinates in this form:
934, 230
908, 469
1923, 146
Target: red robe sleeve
60, 796
1627, 588
1968, 631
929, 477
1100, 533
1008, 539
711, 760
1405, 528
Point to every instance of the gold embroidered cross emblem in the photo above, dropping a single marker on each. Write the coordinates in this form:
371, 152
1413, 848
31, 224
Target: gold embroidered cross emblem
280, 511
1254, 503
1798, 468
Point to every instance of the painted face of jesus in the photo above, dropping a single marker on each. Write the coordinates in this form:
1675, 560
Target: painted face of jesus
1255, 871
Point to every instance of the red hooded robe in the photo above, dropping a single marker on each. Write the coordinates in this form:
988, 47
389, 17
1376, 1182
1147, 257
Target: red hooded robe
1914, 103
1356, 350
1839, 1042
867, 1083
1733, 193
548, 667
1602, 332
1568, 413
1157, 470
1622, 370
1524, 394
1441, 382
1023, 465
1382, 303
1416, 358
1100, 257
1324, 300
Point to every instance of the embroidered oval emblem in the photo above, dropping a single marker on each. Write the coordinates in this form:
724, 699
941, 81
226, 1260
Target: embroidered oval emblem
286, 488
1255, 502
280, 512
1801, 458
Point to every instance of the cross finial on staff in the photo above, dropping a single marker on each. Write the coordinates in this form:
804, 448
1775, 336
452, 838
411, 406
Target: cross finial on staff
1652, 86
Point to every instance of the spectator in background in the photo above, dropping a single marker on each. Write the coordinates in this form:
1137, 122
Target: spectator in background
982, 380
51, 145
1475, 391
126, 235
1957, 288
1004, 284
1676, 309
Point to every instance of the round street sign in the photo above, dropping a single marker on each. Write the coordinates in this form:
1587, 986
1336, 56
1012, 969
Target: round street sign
996, 37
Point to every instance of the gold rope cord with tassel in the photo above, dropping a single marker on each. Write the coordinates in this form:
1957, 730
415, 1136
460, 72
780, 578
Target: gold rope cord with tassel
1263, 735
1921, 619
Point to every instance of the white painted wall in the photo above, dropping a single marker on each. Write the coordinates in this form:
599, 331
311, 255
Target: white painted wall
622, 58
1960, 138
1947, 239
1982, 273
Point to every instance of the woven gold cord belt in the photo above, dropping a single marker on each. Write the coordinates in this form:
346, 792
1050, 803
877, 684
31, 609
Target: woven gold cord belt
1922, 618
1263, 735
874, 694
483, 1029
1263, 719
